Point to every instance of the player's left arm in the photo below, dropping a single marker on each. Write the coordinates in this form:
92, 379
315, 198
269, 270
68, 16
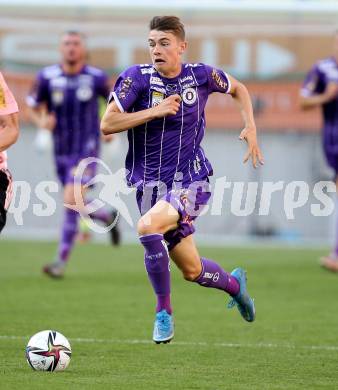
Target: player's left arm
9, 130
241, 95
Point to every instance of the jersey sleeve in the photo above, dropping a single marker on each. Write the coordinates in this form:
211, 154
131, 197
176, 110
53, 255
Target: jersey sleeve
310, 83
218, 80
39, 91
8, 104
127, 89
332, 75
103, 88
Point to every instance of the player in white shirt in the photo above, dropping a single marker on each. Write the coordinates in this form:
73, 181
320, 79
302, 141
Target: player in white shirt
9, 132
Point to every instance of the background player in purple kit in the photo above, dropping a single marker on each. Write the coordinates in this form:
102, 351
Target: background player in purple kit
162, 107
64, 100
320, 88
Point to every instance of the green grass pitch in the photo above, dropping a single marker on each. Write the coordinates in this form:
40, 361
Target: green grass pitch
105, 307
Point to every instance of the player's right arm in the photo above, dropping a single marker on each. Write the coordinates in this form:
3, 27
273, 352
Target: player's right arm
37, 102
310, 101
115, 121
40, 117
128, 89
309, 98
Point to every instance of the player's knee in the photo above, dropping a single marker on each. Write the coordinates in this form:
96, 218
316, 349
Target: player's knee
146, 226
191, 274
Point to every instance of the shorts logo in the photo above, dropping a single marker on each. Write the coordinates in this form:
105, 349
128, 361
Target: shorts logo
2, 98
189, 96
156, 98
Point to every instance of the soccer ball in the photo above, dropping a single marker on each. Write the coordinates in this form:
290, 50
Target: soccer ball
48, 350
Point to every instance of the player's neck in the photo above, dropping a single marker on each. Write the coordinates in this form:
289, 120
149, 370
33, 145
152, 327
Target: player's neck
172, 73
72, 68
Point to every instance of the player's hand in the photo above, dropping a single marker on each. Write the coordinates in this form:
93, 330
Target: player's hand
47, 120
169, 106
250, 136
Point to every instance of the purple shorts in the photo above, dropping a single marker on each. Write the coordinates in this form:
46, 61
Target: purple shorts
66, 170
189, 202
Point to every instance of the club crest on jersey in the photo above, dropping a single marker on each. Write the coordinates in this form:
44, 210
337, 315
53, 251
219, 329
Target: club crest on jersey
2, 98
156, 98
84, 93
189, 96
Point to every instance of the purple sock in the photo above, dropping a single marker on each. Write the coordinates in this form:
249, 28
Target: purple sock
214, 276
156, 260
101, 215
69, 231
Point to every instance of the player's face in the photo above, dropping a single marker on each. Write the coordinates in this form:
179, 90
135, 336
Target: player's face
72, 49
166, 50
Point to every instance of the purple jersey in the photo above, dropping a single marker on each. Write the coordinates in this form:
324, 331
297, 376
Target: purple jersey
316, 81
168, 149
74, 101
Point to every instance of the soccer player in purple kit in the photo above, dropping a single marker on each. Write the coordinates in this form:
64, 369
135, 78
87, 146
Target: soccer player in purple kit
320, 88
64, 100
162, 107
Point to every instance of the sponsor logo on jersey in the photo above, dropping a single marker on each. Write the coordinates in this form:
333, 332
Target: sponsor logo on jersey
156, 98
189, 96
156, 80
125, 87
189, 85
186, 78
2, 98
171, 88
57, 96
147, 70
158, 89
197, 165
60, 82
219, 81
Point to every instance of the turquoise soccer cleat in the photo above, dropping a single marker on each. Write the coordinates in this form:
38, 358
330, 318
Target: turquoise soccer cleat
163, 327
245, 304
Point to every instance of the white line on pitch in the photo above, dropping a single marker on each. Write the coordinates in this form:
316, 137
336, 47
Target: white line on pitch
192, 344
